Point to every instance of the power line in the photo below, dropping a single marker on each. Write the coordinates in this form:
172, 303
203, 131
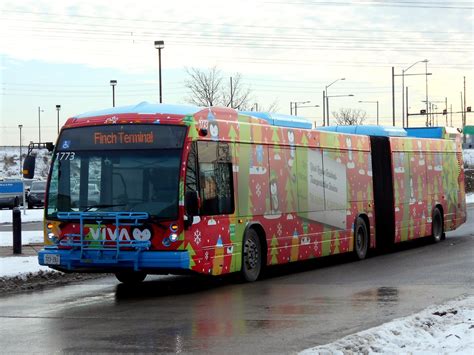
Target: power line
188, 23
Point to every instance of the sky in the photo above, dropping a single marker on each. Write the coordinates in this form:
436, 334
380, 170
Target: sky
65, 52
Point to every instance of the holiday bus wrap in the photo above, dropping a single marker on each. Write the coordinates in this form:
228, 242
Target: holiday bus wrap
267, 190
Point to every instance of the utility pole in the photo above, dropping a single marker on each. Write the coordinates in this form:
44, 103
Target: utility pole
446, 106
231, 94
464, 108
451, 111
407, 105
324, 108
393, 96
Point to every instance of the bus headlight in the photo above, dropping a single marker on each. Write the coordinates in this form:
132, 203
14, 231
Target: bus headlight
53, 238
173, 237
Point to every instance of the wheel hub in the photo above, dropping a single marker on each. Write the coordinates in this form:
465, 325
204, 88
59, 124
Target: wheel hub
251, 254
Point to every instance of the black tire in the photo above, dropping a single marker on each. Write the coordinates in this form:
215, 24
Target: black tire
130, 277
437, 228
30, 206
361, 239
251, 256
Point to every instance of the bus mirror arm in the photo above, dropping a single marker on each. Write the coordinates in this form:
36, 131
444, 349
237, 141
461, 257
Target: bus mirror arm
191, 206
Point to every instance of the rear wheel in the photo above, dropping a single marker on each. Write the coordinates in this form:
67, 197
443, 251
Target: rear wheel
361, 239
133, 277
251, 256
437, 233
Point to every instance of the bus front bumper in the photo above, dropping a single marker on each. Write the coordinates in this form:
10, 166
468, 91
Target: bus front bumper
113, 260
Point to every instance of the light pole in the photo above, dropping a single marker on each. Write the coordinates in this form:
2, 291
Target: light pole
373, 102
159, 45
58, 107
296, 105
20, 126
327, 97
327, 102
39, 123
403, 87
113, 83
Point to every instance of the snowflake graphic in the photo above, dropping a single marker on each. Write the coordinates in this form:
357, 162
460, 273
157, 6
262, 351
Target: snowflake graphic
206, 255
197, 237
258, 189
279, 229
112, 120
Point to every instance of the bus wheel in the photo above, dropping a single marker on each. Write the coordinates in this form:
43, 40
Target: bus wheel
128, 277
437, 226
361, 239
251, 256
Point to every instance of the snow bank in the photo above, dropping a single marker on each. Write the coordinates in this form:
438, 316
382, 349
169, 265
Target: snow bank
35, 215
10, 162
20, 266
447, 328
27, 237
468, 157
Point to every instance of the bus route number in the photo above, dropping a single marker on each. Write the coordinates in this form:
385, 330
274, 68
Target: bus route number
65, 155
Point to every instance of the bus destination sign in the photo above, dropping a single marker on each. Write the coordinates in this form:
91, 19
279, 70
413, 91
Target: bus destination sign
137, 136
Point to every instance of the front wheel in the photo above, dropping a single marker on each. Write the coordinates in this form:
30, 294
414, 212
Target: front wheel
251, 256
361, 239
437, 233
130, 277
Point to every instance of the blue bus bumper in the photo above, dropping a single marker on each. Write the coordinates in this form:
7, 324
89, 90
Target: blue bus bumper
111, 260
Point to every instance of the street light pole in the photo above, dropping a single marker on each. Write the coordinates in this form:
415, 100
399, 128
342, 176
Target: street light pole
113, 83
159, 45
403, 86
58, 107
296, 105
327, 98
373, 102
324, 108
20, 126
39, 123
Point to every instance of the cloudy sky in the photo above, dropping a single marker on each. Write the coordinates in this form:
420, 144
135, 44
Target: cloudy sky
65, 52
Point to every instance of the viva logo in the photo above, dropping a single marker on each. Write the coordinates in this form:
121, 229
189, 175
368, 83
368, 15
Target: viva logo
107, 233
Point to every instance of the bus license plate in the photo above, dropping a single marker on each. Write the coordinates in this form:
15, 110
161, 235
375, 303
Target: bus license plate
52, 259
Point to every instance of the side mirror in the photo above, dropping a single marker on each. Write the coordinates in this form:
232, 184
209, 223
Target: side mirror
191, 203
49, 146
29, 167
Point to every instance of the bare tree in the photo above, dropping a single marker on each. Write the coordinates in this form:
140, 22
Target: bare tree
205, 86
208, 89
349, 116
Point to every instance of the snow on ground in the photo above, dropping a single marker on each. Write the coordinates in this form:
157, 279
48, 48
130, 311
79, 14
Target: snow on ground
27, 237
468, 157
10, 161
33, 215
439, 329
20, 266
470, 198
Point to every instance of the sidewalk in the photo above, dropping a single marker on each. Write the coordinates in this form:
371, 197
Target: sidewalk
26, 250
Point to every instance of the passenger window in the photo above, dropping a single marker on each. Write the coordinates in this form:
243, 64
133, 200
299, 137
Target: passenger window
215, 178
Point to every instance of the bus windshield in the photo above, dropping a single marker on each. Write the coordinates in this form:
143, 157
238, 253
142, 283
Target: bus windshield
112, 178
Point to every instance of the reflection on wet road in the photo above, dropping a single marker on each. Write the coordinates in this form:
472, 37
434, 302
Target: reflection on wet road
292, 309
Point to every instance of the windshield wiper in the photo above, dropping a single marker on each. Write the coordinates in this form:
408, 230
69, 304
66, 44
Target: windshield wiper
104, 206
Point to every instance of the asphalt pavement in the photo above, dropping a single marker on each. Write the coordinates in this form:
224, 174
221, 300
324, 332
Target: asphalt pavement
295, 307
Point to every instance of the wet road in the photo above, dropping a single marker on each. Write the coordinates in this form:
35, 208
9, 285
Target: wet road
25, 226
294, 308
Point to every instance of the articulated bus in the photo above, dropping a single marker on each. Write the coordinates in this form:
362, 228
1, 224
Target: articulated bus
157, 189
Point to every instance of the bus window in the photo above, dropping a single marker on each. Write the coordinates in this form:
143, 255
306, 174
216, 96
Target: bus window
215, 178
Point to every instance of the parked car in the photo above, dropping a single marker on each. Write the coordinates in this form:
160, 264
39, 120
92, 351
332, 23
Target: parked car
11, 192
37, 194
